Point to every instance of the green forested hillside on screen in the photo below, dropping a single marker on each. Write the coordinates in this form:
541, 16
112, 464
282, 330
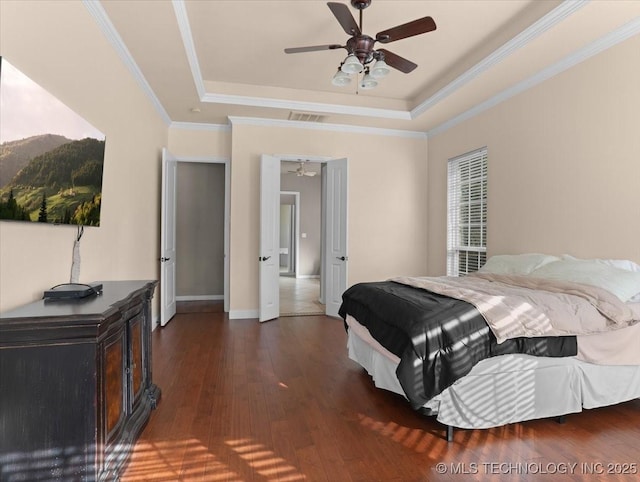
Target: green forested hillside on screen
14, 155
62, 185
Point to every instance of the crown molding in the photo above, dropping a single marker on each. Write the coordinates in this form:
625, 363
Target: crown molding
621, 34
552, 18
256, 121
187, 39
318, 107
200, 126
102, 19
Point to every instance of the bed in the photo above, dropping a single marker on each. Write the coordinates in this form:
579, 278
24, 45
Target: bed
529, 336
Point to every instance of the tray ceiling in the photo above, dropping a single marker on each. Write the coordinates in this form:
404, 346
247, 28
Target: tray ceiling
206, 61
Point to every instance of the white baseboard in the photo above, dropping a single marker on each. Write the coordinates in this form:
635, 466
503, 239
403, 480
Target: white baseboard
243, 314
200, 298
308, 276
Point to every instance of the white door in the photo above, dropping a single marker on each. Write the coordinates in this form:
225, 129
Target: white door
269, 238
335, 246
168, 239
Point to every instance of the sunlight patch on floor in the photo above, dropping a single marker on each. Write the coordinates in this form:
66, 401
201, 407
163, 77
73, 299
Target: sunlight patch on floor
265, 462
164, 461
417, 440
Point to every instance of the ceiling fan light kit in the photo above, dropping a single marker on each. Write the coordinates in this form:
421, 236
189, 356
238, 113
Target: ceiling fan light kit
368, 82
351, 65
362, 57
341, 79
380, 69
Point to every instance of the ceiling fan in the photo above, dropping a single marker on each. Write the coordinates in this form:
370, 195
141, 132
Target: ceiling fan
301, 171
362, 56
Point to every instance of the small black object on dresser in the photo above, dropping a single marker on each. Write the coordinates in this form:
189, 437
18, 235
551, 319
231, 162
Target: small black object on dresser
76, 386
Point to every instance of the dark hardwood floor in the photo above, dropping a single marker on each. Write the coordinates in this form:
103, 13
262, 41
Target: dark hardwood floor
281, 401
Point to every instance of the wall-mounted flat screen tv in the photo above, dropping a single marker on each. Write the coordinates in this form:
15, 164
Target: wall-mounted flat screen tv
51, 159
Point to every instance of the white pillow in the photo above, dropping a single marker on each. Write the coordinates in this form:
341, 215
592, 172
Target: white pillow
517, 264
625, 264
622, 283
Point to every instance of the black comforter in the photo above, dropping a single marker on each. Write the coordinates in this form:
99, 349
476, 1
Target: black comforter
438, 339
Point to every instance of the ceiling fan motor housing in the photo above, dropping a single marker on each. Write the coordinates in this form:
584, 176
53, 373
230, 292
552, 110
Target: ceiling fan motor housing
360, 4
362, 47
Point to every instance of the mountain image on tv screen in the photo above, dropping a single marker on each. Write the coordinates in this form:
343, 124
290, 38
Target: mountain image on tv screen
51, 159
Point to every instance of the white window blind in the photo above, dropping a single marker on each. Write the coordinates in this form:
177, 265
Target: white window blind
467, 213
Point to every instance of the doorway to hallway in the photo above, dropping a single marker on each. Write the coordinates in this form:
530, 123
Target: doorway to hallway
300, 296
300, 238
333, 233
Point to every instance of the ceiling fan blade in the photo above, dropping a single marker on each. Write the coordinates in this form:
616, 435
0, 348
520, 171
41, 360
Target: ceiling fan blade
342, 13
416, 27
310, 173
397, 62
295, 50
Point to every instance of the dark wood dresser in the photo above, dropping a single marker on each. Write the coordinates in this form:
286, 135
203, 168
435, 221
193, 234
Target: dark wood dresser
75, 384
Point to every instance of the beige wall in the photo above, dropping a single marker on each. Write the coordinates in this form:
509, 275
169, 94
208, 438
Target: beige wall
387, 197
185, 143
564, 164
76, 63
386, 201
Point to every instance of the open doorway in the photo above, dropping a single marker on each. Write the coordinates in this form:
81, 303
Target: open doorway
334, 236
201, 206
300, 256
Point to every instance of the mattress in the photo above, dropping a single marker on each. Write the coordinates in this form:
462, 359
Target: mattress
508, 388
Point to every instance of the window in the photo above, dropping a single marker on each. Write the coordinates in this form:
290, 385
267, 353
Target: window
467, 213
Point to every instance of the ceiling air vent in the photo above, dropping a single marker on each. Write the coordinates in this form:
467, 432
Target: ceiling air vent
306, 117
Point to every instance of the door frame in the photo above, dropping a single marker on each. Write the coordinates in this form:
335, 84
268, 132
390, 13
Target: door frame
296, 230
227, 210
323, 160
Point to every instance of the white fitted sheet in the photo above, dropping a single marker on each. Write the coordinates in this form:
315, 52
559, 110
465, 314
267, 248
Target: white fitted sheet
508, 388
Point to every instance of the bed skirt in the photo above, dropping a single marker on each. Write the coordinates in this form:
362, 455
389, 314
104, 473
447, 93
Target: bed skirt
507, 388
